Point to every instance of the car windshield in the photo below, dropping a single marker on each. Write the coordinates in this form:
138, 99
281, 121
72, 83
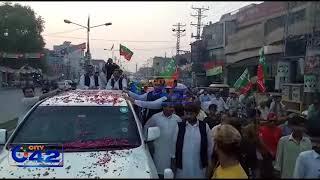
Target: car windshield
80, 127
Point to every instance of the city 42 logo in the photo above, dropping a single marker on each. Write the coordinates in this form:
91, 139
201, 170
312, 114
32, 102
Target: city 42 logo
36, 155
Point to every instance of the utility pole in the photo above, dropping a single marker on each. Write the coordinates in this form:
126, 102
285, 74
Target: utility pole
178, 31
87, 27
286, 29
136, 67
199, 16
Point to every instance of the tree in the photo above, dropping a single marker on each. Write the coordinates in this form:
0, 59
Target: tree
20, 29
20, 32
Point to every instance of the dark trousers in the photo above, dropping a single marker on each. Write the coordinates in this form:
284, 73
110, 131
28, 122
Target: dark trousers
161, 176
267, 170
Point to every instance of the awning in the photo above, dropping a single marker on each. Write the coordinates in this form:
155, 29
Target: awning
6, 69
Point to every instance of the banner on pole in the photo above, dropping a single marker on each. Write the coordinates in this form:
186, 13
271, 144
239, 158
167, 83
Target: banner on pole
310, 83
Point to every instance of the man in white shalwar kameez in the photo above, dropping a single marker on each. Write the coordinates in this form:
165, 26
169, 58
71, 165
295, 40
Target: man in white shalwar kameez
192, 166
164, 146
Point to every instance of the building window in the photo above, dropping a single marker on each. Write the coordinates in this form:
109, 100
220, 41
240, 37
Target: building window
208, 36
273, 24
297, 16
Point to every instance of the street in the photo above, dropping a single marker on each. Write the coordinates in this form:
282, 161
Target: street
11, 106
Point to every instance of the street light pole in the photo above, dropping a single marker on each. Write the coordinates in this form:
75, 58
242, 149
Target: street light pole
88, 27
88, 39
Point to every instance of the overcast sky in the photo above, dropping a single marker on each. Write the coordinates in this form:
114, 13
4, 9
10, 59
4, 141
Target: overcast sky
143, 27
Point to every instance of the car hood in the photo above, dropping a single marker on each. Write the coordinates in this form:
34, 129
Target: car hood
131, 163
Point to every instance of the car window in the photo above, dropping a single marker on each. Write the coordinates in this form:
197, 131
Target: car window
75, 126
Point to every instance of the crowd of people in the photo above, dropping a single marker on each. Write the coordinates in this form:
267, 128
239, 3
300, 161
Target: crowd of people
205, 135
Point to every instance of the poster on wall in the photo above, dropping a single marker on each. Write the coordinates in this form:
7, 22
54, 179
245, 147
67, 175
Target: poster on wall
283, 69
310, 83
279, 81
312, 61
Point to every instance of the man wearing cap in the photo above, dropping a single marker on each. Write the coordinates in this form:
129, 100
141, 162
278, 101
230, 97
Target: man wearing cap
164, 146
227, 147
289, 147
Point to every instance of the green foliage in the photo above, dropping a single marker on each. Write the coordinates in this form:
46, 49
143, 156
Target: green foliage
22, 27
20, 32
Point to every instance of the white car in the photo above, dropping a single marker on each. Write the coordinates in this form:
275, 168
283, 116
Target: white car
100, 132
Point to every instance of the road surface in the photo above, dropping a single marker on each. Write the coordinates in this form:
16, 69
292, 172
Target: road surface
10, 104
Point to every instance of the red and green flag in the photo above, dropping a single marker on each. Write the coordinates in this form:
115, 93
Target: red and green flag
261, 73
126, 52
213, 68
243, 84
170, 70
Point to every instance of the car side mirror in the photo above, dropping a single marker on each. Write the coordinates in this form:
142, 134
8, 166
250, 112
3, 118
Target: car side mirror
153, 133
168, 174
3, 136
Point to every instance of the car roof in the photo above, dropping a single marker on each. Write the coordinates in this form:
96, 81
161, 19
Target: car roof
87, 98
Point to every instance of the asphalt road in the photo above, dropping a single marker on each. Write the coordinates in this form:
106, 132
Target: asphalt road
11, 107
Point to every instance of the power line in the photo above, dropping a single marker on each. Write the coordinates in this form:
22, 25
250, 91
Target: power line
62, 32
148, 49
98, 39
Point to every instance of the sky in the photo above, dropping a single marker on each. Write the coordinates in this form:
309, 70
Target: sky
143, 27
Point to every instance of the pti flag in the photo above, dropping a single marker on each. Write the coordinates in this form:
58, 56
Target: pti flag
126, 52
243, 84
213, 68
261, 72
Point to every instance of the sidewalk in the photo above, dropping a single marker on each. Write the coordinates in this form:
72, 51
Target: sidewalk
9, 125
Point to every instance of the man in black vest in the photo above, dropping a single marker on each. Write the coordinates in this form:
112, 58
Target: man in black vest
89, 80
117, 82
109, 68
194, 145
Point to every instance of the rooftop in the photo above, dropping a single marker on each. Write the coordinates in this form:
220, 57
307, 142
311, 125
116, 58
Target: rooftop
87, 98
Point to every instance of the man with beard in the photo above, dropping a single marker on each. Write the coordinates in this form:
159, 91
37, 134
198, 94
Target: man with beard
164, 146
194, 146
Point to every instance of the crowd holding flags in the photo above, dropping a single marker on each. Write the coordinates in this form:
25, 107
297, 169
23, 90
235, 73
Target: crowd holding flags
244, 83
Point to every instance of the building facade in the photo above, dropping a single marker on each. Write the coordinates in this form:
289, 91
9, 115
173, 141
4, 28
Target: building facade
282, 29
159, 64
98, 64
73, 57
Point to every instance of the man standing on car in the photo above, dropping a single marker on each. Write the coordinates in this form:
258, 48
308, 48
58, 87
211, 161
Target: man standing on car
164, 146
117, 82
109, 67
88, 80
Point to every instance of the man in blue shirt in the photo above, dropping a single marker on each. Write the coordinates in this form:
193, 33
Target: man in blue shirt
308, 164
